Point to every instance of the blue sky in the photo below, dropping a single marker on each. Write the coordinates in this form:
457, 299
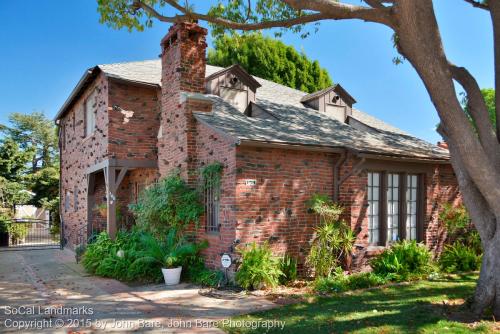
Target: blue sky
47, 45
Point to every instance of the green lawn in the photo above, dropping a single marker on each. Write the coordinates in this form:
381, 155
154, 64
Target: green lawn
413, 308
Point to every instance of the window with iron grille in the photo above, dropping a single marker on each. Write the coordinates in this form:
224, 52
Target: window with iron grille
212, 205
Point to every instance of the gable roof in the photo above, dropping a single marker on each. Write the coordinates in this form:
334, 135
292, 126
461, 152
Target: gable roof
296, 124
240, 72
337, 88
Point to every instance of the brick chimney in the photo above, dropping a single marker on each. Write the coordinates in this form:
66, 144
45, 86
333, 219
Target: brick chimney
442, 144
183, 71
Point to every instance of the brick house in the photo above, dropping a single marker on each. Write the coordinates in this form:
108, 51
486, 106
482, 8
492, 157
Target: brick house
126, 125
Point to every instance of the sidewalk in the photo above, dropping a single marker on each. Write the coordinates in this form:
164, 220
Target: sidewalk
42, 284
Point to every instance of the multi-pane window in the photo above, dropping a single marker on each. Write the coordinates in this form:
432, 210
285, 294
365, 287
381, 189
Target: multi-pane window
90, 106
392, 207
393, 202
212, 205
411, 207
373, 207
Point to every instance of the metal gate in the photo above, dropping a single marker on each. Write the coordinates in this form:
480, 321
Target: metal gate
29, 233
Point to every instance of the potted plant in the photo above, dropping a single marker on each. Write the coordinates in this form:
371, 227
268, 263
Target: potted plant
170, 254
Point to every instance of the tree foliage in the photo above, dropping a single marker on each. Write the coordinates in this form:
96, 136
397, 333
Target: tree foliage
29, 159
270, 59
36, 135
489, 98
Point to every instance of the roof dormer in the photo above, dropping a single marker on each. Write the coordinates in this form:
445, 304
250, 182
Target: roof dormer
335, 101
234, 85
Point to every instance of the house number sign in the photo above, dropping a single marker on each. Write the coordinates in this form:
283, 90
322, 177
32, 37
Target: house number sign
250, 182
226, 260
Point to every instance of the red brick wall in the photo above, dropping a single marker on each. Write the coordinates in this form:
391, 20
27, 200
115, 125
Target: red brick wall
133, 121
442, 187
128, 131
212, 147
275, 209
183, 70
81, 153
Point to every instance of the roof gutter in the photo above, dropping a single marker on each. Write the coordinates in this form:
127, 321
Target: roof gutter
401, 158
273, 144
87, 77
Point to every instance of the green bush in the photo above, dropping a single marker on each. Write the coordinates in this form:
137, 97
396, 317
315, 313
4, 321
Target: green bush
116, 259
334, 239
174, 251
459, 258
4, 218
258, 267
341, 282
288, 266
405, 260
459, 227
18, 231
199, 274
167, 204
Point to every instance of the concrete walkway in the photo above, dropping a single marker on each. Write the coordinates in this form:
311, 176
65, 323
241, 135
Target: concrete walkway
45, 290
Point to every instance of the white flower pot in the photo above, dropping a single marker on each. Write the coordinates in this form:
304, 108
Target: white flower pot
172, 276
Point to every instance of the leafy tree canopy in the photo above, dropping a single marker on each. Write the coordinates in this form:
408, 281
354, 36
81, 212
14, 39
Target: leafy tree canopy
36, 135
489, 99
12, 160
270, 59
28, 160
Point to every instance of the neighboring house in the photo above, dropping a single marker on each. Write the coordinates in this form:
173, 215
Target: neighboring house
126, 125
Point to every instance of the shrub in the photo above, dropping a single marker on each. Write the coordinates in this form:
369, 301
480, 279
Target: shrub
334, 239
199, 274
18, 231
167, 204
342, 282
458, 258
404, 260
172, 252
332, 244
288, 266
459, 227
117, 259
258, 267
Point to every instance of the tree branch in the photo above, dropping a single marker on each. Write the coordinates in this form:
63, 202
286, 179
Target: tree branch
481, 213
330, 10
478, 4
478, 111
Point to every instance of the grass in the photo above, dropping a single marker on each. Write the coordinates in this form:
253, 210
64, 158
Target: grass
421, 307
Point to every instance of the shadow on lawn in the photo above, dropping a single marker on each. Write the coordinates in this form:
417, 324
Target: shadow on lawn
402, 309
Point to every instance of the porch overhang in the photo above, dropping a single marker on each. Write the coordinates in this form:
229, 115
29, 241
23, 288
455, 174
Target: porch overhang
114, 171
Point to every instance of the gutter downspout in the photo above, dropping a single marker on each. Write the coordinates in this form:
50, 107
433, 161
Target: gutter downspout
61, 223
336, 175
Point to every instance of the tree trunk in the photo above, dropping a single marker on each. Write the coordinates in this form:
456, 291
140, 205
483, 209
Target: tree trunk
495, 18
477, 173
488, 286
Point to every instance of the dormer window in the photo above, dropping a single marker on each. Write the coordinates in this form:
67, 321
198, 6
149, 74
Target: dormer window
234, 85
334, 101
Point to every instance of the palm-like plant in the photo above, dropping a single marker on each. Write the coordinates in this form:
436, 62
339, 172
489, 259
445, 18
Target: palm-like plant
172, 252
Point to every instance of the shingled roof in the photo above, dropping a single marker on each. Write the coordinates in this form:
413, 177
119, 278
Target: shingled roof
296, 124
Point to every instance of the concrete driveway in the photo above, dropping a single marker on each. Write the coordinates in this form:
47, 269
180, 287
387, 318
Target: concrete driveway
45, 290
